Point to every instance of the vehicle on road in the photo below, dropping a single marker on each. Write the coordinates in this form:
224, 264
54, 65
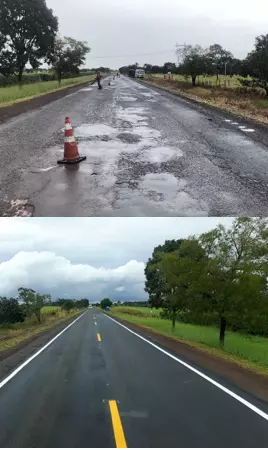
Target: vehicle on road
136, 73
139, 73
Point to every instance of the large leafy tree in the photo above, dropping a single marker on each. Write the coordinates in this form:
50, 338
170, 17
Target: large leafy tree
68, 55
219, 57
34, 301
27, 31
106, 302
177, 271
154, 284
234, 280
257, 62
193, 61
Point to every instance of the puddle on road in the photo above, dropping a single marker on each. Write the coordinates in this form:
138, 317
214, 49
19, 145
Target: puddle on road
86, 89
128, 99
167, 188
96, 129
162, 154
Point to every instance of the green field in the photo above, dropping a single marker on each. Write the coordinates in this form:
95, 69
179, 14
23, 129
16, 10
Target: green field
250, 350
14, 94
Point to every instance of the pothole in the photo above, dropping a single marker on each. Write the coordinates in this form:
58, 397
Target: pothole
19, 208
129, 138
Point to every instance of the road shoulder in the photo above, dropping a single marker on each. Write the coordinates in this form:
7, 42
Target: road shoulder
245, 379
13, 357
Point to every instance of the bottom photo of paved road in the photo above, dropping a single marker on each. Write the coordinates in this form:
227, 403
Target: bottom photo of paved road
99, 384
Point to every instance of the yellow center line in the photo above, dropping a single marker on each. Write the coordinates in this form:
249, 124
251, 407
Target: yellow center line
119, 436
98, 336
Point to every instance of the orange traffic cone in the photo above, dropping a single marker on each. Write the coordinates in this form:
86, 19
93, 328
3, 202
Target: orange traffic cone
71, 155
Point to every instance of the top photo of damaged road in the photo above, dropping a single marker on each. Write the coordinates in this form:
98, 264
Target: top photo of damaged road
183, 138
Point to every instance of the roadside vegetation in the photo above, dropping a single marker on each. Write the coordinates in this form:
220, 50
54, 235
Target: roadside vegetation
249, 351
211, 290
30, 313
214, 76
15, 94
40, 61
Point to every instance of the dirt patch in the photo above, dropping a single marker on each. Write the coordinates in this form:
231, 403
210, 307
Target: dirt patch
245, 379
7, 112
250, 107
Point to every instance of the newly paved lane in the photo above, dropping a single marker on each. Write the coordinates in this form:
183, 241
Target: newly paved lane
148, 154
61, 398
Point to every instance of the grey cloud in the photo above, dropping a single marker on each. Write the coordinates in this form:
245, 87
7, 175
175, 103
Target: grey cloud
92, 257
123, 27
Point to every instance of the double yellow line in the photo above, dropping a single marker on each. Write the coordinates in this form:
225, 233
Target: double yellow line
119, 436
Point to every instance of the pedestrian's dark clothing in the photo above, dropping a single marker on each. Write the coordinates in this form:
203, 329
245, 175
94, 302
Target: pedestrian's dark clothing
98, 79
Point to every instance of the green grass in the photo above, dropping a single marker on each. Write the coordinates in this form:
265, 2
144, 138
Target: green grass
262, 103
49, 309
243, 348
14, 94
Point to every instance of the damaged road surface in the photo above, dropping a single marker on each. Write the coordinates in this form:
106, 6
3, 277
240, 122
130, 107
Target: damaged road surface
148, 154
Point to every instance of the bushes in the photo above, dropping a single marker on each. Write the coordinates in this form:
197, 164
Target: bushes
10, 311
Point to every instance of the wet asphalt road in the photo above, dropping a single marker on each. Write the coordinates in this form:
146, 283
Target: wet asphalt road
61, 398
148, 154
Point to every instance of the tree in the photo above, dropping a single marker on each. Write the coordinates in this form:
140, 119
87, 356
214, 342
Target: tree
177, 271
234, 279
68, 305
193, 61
106, 302
10, 311
67, 56
34, 301
219, 58
257, 62
154, 283
84, 303
28, 30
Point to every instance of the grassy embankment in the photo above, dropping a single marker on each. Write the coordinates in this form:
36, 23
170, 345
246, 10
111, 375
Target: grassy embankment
248, 351
232, 97
14, 94
11, 335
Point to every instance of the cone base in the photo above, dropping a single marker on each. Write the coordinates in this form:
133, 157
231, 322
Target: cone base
72, 161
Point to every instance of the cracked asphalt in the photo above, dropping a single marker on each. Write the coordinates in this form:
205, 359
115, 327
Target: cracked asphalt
149, 153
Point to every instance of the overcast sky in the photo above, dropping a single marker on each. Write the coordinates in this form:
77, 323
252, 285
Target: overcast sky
125, 27
86, 257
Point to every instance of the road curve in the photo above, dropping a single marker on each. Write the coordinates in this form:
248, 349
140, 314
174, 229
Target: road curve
62, 397
148, 152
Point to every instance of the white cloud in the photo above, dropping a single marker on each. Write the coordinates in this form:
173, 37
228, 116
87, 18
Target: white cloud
86, 257
50, 273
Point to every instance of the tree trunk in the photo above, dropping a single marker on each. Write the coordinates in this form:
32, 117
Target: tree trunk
38, 315
173, 319
193, 80
59, 73
222, 330
20, 75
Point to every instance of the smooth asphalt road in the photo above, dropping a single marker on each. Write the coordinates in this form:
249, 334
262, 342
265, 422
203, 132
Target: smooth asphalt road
148, 154
61, 398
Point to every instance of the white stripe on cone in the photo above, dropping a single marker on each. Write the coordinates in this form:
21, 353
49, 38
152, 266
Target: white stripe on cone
69, 139
68, 126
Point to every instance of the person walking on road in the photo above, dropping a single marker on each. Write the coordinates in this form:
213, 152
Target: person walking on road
98, 79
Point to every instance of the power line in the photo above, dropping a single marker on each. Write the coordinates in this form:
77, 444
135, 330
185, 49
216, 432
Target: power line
133, 55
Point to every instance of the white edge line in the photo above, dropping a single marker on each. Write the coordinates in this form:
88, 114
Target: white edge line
202, 375
14, 373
